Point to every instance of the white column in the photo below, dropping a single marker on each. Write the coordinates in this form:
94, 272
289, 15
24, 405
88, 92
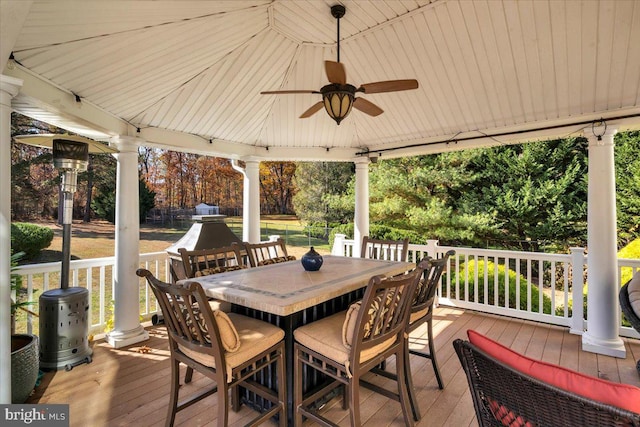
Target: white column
127, 328
361, 216
252, 200
603, 317
9, 88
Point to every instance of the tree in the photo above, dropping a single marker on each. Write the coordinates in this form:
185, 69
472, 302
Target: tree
276, 187
627, 164
322, 187
419, 194
535, 192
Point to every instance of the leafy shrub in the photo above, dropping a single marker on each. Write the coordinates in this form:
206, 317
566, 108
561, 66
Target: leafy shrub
631, 251
490, 266
30, 238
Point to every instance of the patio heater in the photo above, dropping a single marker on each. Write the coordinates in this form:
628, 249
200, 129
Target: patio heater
64, 322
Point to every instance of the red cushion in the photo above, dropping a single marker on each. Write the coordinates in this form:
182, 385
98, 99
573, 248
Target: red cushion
615, 394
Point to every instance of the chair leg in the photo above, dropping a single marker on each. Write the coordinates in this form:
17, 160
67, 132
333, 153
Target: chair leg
413, 400
282, 387
235, 398
297, 386
432, 352
188, 375
401, 370
175, 386
354, 400
223, 405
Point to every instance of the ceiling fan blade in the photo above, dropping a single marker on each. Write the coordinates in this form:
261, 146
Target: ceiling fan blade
367, 107
311, 111
335, 72
277, 92
388, 86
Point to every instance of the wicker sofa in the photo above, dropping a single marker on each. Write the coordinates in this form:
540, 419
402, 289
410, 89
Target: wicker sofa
630, 303
507, 396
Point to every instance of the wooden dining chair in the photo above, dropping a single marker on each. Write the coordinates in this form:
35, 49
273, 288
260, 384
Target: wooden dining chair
203, 262
227, 348
390, 250
347, 345
265, 253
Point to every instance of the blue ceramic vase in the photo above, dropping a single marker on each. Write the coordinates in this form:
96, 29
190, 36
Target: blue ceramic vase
312, 260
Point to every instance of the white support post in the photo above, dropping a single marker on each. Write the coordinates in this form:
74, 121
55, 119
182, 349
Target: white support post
127, 328
250, 200
603, 319
9, 87
361, 216
577, 285
252, 181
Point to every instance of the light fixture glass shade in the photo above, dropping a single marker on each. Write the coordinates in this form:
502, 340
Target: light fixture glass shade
338, 100
338, 105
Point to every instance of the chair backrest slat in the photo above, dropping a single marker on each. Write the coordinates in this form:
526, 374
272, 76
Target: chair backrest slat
390, 250
265, 253
426, 289
202, 262
384, 311
187, 316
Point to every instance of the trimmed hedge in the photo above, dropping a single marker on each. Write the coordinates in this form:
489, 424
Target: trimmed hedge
30, 238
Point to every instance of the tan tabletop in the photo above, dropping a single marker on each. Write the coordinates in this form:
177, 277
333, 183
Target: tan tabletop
286, 288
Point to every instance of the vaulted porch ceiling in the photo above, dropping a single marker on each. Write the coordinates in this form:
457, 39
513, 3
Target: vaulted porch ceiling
188, 72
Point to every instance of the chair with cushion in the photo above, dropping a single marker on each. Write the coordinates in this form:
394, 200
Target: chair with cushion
390, 250
227, 348
266, 253
347, 345
421, 313
203, 262
509, 389
630, 303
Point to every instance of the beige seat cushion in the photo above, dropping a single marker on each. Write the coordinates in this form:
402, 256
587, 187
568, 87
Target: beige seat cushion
634, 293
324, 336
418, 315
255, 335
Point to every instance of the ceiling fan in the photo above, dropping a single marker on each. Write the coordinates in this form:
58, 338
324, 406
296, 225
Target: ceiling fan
338, 96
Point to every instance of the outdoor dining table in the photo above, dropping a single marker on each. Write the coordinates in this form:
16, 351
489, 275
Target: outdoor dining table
286, 295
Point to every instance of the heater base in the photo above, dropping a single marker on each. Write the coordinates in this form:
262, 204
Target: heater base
64, 327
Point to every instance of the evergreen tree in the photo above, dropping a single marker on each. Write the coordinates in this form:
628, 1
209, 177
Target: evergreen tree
535, 193
418, 194
627, 163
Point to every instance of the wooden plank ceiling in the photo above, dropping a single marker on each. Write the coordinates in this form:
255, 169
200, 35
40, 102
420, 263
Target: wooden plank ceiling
197, 67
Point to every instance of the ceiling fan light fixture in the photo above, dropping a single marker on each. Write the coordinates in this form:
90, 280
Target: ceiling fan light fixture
338, 100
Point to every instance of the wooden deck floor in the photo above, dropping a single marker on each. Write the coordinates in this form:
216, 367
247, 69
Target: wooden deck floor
127, 387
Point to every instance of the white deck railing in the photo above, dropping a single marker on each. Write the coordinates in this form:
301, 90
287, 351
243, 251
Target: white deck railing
498, 288
96, 274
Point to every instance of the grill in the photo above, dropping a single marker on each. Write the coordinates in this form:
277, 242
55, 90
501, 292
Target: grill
207, 232
63, 328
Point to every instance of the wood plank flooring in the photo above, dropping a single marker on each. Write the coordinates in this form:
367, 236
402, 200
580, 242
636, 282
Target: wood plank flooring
127, 387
